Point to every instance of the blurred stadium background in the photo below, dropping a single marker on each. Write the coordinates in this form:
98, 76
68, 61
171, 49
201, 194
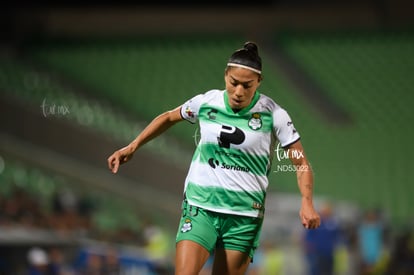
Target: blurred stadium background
78, 81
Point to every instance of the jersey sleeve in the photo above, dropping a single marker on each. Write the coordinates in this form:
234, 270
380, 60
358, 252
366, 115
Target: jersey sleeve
284, 129
189, 110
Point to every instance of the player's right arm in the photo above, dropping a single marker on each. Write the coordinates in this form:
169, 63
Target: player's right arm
156, 127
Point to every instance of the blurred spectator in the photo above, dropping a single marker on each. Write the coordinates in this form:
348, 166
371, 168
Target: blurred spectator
320, 244
38, 262
58, 264
94, 265
370, 241
111, 262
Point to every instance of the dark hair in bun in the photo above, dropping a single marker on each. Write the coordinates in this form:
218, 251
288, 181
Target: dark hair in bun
247, 57
251, 46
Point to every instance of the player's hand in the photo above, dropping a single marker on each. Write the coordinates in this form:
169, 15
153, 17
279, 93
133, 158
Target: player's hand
119, 157
309, 217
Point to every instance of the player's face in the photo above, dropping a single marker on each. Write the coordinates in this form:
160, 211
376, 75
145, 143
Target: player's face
241, 84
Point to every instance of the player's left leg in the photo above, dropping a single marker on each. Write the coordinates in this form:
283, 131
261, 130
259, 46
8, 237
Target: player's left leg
236, 244
230, 262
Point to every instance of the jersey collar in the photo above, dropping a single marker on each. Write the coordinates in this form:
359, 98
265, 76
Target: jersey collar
245, 109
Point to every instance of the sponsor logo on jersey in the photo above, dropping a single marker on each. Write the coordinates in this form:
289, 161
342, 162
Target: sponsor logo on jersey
216, 164
230, 135
211, 114
189, 112
255, 122
257, 205
290, 124
213, 163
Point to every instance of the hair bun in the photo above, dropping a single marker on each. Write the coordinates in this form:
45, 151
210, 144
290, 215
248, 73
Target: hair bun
251, 46
247, 57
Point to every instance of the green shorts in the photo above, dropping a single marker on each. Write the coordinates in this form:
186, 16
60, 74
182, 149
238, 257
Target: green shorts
217, 230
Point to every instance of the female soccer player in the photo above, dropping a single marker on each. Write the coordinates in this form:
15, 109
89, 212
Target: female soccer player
225, 188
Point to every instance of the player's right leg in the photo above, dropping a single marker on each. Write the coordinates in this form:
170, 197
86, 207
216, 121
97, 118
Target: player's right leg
196, 238
190, 258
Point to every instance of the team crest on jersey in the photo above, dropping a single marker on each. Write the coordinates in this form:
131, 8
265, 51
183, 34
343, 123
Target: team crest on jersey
255, 122
187, 226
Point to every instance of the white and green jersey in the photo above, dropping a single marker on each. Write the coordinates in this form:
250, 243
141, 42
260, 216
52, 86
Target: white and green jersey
228, 172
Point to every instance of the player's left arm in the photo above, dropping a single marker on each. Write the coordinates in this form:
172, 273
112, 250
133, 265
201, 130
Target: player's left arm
309, 217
